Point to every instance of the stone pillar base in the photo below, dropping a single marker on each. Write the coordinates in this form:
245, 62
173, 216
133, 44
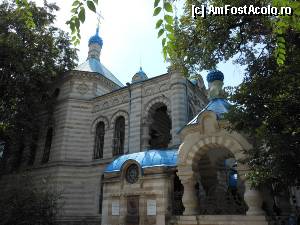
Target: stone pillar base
221, 219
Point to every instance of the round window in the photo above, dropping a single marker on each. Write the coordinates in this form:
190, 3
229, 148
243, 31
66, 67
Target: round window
132, 173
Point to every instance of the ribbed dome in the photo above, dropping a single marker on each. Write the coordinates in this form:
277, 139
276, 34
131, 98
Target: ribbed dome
96, 39
214, 75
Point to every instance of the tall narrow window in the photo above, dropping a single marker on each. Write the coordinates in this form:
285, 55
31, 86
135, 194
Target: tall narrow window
48, 143
119, 136
99, 140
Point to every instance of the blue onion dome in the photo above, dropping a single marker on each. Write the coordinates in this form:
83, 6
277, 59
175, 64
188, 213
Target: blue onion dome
214, 75
96, 39
139, 76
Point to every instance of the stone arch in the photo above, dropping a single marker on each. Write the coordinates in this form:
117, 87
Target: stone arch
191, 154
155, 103
157, 123
187, 159
116, 115
97, 120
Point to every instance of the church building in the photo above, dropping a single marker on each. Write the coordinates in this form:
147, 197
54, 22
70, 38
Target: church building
151, 151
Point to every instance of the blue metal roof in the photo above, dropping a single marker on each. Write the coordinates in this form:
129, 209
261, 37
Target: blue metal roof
94, 65
214, 75
217, 105
96, 39
147, 159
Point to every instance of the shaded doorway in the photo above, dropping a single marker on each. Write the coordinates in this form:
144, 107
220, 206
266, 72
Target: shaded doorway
178, 190
132, 216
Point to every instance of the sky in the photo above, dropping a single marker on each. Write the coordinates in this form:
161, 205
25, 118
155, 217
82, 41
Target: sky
129, 39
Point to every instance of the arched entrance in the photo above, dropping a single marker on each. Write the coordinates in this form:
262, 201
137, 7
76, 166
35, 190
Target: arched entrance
207, 153
218, 189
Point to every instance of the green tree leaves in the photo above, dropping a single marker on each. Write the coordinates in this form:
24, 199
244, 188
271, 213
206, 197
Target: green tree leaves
168, 7
266, 104
282, 24
81, 15
78, 17
30, 60
91, 5
165, 24
27, 14
156, 11
158, 23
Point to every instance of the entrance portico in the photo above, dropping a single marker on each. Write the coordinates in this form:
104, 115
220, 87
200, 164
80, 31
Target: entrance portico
207, 136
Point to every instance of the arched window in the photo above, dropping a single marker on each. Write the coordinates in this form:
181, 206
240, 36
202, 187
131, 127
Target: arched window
160, 128
99, 140
119, 136
47, 147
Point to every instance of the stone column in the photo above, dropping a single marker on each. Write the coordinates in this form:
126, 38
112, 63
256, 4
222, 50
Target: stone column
189, 198
253, 199
135, 110
178, 105
145, 135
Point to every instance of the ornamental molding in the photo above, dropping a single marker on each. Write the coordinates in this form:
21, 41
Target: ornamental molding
89, 76
110, 101
82, 88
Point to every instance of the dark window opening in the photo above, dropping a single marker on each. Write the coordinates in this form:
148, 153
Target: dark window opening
48, 143
119, 136
160, 129
99, 140
178, 207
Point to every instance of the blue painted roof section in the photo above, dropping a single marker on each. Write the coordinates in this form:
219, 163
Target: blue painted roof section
96, 39
214, 75
217, 105
94, 65
147, 159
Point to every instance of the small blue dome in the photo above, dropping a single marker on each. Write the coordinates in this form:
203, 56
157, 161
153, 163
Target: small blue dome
139, 76
96, 39
214, 75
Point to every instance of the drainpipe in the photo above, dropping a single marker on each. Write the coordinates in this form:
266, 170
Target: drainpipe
129, 112
187, 101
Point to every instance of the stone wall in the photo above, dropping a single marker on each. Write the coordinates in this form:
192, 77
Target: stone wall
77, 111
